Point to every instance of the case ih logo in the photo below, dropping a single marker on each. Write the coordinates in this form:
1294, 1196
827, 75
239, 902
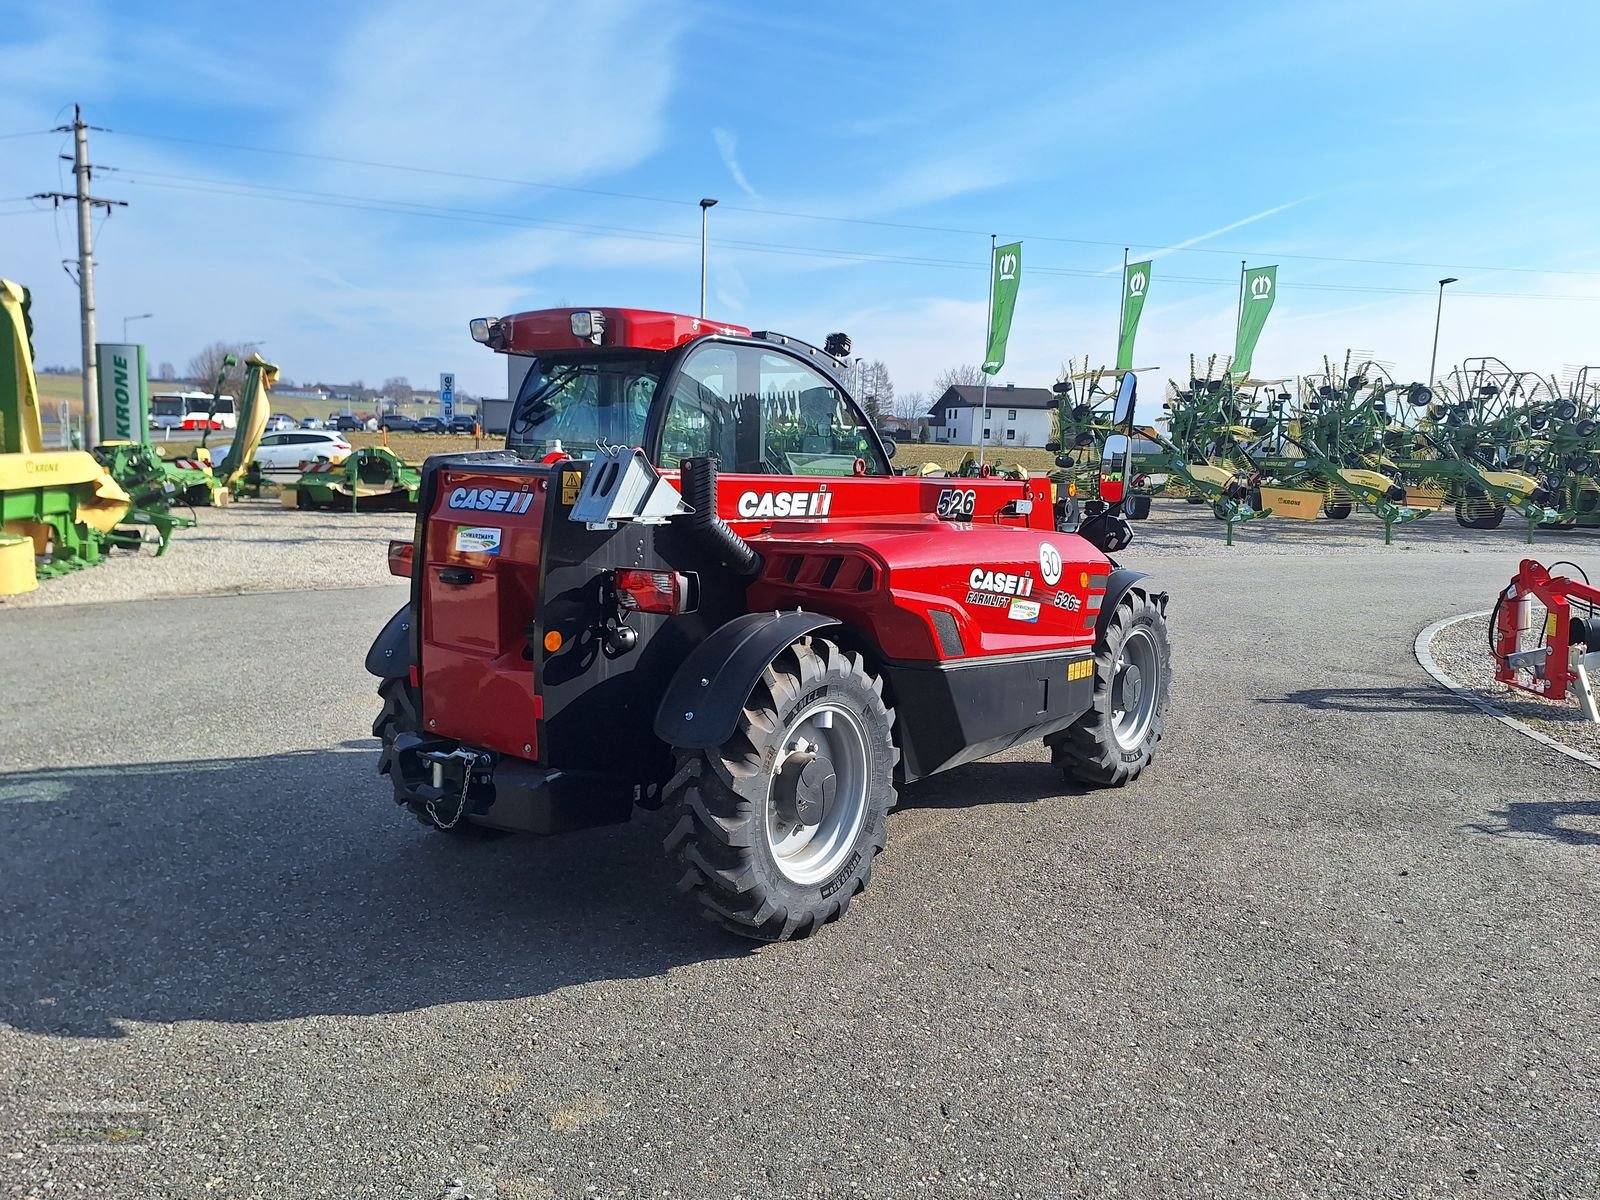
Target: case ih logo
490, 500
785, 504
999, 583
1260, 287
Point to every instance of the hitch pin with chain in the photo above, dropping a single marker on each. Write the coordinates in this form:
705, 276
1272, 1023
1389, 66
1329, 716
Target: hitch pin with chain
469, 759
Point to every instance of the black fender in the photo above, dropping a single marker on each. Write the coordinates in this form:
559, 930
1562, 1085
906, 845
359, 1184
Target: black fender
701, 705
390, 655
1117, 585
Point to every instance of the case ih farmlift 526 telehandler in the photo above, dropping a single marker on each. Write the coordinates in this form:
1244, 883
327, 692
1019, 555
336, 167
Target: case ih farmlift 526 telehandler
692, 579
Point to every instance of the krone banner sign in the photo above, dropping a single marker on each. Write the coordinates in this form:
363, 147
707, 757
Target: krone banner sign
124, 393
1260, 290
1135, 286
1002, 302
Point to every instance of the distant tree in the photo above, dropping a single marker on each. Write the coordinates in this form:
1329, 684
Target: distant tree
204, 367
910, 404
966, 375
166, 371
398, 387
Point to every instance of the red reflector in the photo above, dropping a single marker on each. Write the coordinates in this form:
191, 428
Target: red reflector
401, 555
651, 591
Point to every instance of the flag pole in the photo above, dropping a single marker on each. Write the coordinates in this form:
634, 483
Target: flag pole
1122, 308
1238, 316
988, 337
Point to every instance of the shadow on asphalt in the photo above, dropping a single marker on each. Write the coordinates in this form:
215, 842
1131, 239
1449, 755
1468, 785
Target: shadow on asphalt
266, 889
1368, 700
988, 783
1543, 818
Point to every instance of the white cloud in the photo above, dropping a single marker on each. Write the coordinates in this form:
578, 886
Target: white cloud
728, 147
544, 90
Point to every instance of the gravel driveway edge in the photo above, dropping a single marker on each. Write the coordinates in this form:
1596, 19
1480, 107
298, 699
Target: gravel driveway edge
1425, 657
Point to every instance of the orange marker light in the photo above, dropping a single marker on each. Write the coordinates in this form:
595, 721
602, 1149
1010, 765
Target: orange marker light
552, 641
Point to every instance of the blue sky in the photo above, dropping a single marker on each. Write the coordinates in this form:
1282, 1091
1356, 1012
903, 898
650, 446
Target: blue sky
861, 155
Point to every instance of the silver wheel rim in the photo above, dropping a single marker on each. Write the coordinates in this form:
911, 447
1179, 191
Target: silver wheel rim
811, 854
1135, 687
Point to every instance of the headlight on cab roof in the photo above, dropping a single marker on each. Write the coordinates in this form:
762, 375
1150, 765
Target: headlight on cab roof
589, 323
484, 329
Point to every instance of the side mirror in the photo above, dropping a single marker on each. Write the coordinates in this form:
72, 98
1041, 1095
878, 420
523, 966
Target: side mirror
1114, 461
1122, 412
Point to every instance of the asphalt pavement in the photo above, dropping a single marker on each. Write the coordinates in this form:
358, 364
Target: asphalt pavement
1339, 941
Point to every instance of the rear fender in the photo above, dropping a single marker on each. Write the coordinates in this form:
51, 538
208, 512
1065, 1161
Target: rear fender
700, 708
390, 655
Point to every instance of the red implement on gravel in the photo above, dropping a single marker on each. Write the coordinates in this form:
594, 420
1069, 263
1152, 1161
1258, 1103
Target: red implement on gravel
692, 578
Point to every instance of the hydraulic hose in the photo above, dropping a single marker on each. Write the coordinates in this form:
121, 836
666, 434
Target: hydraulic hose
698, 482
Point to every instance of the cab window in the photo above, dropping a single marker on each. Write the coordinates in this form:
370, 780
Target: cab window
760, 412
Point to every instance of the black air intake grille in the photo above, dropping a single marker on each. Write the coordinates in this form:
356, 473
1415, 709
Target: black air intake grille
949, 636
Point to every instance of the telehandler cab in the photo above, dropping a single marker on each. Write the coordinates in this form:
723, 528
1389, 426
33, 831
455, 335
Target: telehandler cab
691, 578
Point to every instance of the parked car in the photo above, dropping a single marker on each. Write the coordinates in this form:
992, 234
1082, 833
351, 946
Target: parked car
463, 424
432, 425
310, 422
279, 421
282, 453
395, 423
346, 423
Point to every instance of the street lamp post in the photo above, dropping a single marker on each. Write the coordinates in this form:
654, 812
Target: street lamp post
1433, 360
125, 320
706, 206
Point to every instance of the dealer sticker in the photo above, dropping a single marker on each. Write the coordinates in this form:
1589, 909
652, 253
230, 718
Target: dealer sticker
477, 539
1023, 610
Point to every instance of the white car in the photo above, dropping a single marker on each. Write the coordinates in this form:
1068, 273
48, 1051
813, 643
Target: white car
282, 453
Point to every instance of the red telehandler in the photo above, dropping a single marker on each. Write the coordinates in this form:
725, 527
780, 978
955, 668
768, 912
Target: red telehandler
692, 578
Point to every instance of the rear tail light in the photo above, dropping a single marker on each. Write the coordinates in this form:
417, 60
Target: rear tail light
401, 556
655, 591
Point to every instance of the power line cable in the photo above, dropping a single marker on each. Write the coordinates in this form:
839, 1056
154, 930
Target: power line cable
406, 208
1141, 246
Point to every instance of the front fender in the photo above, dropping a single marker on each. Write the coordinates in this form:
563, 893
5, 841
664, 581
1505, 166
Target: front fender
701, 705
390, 655
1117, 585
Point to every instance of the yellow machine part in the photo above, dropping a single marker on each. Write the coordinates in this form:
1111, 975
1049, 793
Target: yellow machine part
102, 504
17, 573
260, 375
1373, 481
1511, 481
1218, 477
30, 439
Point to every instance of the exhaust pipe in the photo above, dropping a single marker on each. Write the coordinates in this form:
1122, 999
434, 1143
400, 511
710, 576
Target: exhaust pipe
698, 483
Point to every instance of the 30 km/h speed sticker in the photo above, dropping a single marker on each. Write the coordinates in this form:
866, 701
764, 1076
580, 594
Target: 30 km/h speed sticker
1049, 563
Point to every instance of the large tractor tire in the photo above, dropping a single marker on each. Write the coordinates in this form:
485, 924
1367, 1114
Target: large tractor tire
399, 715
778, 826
1116, 739
1479, 512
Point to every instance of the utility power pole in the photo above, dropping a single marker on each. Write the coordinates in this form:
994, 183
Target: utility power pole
86, 203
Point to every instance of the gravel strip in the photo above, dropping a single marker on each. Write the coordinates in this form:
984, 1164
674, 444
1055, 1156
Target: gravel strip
251, 546
1462, 652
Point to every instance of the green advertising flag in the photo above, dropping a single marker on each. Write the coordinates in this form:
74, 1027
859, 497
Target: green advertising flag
1135, 283
1002, 302
1260, 289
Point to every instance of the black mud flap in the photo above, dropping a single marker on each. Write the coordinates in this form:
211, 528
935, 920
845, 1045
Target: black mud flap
390, 655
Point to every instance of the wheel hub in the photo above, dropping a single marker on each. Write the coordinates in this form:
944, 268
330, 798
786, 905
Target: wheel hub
1130, 686
805, 788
